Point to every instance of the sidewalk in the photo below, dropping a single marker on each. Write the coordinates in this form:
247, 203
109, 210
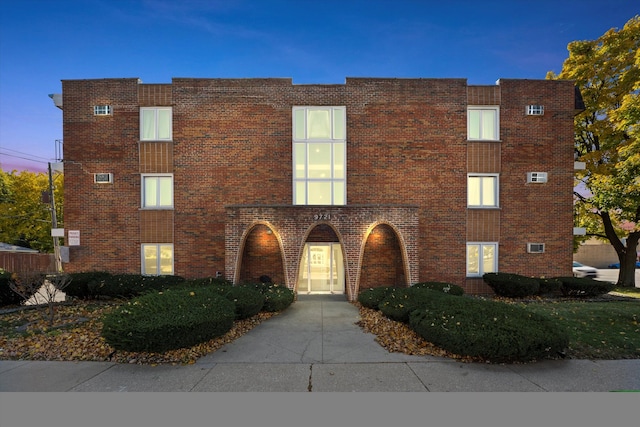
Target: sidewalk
315, 346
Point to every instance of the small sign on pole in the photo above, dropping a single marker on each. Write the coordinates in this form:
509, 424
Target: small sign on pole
57, 232
74, 237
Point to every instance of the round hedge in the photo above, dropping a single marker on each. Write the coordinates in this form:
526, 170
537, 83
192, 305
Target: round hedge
511, 285
490, 330
447, 288
248, 302
167, 320
371, 297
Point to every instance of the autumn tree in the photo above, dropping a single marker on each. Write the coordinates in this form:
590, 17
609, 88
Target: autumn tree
607, 139
25, 218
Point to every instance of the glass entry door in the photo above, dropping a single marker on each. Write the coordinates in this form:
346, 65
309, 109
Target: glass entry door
321, 269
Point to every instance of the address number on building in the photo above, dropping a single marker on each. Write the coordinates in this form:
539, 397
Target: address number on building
322, 217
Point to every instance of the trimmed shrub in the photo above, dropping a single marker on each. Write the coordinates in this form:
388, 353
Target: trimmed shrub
248, 301
131, 285
206, 281
79, 285
399, 304
276, 297
371, 297
7, 295
167, 320
447, 288
511, 285
584, 286
549, 286
490, 330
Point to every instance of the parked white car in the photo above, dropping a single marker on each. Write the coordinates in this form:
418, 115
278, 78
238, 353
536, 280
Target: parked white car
581, 270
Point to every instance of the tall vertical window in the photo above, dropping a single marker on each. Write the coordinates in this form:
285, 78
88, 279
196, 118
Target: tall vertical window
319, 156
155, 124
482, 257
482, 191
157, 259
157, 191
483, 123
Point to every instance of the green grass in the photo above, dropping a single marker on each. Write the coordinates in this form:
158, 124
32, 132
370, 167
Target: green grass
598, 330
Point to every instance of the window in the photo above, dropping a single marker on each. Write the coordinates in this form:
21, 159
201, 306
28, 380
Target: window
155, 124
102, 110
481, 258
535, 110
157, 191
157, 259
482, 191
483, 123
319, 156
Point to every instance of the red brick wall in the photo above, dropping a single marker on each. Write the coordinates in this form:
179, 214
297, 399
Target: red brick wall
406, 145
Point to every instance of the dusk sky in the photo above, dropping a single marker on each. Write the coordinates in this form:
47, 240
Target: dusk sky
43, 42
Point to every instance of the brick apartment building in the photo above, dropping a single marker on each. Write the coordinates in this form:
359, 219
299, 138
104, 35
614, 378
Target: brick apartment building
323, 188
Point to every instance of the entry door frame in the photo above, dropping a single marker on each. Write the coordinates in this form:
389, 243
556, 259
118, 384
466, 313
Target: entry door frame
334, 275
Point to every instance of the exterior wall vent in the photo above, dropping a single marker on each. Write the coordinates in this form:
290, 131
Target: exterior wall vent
103, 178
536, 177
535, 110
535, 248
102, 110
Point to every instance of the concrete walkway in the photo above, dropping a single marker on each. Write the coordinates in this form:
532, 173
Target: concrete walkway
315, 346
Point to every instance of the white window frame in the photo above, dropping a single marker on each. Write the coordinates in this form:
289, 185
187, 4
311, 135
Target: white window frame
496, 122
481, 271
102, 110
143, 192
496, 189
156, 136
158, 247
336, 140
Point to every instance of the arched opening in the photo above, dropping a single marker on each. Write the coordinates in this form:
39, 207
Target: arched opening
322, 263
382, 262
261, 256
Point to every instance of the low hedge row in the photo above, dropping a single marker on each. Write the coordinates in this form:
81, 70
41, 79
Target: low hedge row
187, 315
372, 297
167, 320
518, 286
491, 330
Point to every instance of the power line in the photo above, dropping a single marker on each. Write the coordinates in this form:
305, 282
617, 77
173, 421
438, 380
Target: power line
24, 158
23, 153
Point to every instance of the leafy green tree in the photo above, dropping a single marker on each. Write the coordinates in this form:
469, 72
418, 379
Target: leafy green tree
607, 139
25, 219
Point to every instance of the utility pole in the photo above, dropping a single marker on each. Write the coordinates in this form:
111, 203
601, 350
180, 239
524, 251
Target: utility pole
54, 224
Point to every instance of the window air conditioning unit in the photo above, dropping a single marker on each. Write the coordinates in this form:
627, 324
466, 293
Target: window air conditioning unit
536, 177
103, 178
535, 248
535, 110
102, 110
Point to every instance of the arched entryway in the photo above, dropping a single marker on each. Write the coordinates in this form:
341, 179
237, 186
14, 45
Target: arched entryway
383, 263
321, 263
261, 256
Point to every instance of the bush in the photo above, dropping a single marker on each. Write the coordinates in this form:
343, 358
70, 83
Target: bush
399, 304
132, 285
549, 286
7, 295
490, 330
248, 301
447, 288
584, 286
276, 297
167, 320
206, 281
511, 285
79, 285
371, 297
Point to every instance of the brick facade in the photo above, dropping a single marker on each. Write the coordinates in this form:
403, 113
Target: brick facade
407, 162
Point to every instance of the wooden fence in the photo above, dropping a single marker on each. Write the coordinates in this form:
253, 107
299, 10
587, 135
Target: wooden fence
17, 262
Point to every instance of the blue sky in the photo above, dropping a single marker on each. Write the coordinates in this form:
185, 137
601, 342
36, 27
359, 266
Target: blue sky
322, 41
